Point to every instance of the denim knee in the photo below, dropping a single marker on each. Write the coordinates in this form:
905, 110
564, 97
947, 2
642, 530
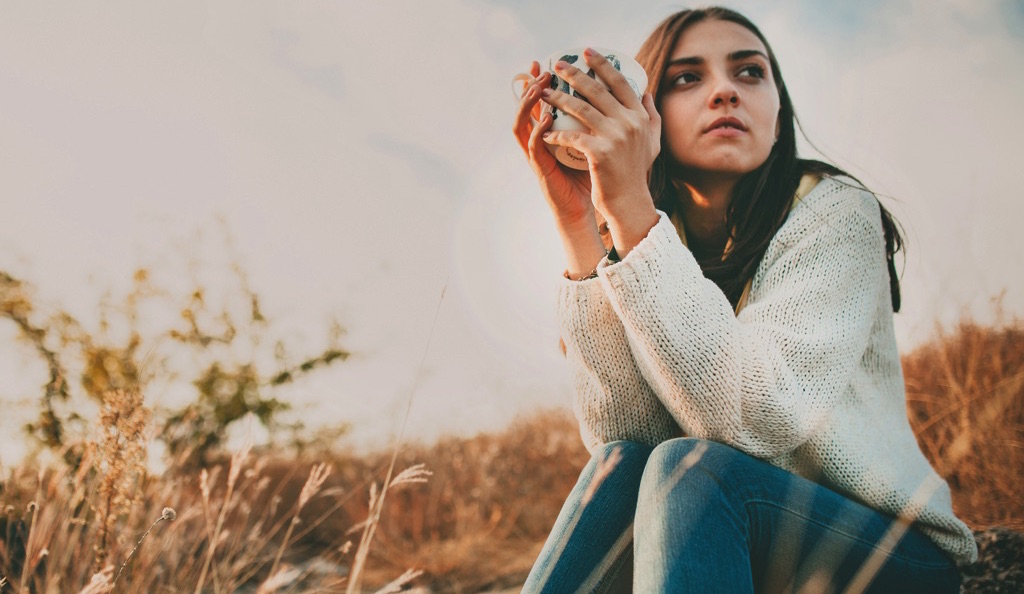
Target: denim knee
626, 451
676, 463
692, 451
620, 458
681, 502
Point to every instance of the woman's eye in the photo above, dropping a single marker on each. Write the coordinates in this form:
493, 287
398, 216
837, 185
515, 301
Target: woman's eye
752, 71
685, 78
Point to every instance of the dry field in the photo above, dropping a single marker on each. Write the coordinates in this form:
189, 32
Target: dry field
259, 523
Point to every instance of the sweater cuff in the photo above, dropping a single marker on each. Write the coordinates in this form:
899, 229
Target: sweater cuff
581, 305
661, 246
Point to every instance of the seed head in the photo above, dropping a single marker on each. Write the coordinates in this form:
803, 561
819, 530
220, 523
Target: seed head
317, 475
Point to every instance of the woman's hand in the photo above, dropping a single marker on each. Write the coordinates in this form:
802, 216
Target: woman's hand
624, 139
568, 191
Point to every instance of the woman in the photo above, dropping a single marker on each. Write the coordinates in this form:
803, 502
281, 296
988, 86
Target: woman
731, 341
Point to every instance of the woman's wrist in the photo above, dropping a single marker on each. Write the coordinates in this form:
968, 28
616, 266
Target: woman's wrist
576, 224
631, 228
582, 277
583, 248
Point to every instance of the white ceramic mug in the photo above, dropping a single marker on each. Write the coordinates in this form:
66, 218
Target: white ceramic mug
624, 63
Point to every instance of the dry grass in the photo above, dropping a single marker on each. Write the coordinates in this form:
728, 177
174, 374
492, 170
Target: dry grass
965, 400
257, 523
481, 523
233, 527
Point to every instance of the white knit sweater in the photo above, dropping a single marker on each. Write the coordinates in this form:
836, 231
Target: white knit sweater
807, 376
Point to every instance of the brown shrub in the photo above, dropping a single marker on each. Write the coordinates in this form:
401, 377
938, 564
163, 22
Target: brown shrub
476, 524
965, 401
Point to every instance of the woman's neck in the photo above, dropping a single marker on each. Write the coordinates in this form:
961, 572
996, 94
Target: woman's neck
703, 208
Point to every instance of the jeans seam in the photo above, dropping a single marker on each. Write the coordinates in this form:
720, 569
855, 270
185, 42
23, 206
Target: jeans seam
605, 583
890, 553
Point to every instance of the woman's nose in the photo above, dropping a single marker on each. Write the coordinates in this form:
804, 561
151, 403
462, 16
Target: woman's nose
725, 92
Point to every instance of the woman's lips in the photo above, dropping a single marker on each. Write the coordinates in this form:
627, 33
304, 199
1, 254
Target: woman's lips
726, 127
725, 132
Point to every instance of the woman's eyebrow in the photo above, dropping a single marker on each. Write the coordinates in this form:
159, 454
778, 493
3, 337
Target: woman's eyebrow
744, 54
732, 57
690, 61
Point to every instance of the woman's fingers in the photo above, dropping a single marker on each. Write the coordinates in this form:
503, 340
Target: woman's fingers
652, 112
589, 102
576, 139
527, 111
522, 126
654, 124
542, 160
587, 114
618, 87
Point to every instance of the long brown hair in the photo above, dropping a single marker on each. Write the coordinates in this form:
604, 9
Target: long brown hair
761, 200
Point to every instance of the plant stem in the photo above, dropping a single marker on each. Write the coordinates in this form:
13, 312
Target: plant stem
214, 538
137, 545
355, 576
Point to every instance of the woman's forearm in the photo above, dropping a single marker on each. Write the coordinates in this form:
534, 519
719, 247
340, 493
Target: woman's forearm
613, 400
583, 247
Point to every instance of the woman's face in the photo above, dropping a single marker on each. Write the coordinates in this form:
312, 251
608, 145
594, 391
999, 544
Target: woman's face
720, 106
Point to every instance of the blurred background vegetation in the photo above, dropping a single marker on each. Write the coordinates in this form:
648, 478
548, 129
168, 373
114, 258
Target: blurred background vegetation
288, 515
222, 352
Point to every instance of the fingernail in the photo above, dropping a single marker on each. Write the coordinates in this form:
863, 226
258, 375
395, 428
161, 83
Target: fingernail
545, 92
589, 52
561, 65
545, 135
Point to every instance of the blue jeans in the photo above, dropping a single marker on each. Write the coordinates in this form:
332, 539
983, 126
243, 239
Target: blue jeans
698, 516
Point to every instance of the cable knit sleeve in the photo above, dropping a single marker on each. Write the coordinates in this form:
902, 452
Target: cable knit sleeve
766, 380
613, 401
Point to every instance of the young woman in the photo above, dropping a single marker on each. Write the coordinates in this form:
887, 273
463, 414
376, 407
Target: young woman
727, 317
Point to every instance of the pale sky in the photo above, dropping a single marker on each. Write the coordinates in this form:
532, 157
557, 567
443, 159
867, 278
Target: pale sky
360, 157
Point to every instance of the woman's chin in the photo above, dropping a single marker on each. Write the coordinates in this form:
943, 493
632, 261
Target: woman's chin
718, 169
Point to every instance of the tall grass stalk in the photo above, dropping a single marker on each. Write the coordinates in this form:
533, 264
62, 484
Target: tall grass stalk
237, 459
168, 514
317, 475
355, 576
604, 468
32, 508
399, 583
